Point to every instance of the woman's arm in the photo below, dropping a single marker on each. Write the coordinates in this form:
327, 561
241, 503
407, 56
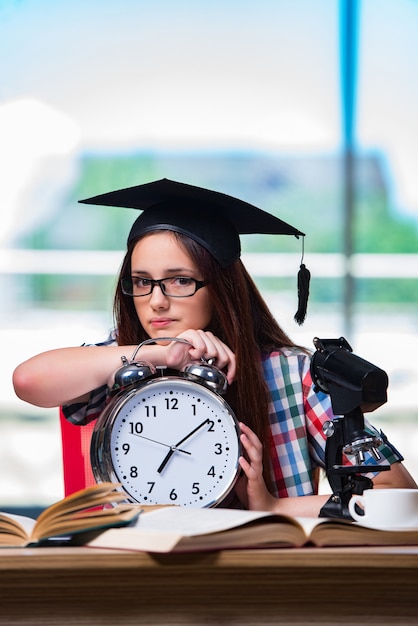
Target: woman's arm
397, 477
67, 375
61, 376
253, 492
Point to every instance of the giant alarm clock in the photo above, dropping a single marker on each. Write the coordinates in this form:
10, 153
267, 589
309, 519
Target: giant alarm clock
168, 436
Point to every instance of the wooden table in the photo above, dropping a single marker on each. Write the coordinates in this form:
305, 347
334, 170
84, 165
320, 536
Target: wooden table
76, 585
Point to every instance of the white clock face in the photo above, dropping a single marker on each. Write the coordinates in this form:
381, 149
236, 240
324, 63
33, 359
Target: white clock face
173, 441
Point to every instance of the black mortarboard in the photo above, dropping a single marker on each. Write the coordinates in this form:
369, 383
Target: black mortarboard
215, 220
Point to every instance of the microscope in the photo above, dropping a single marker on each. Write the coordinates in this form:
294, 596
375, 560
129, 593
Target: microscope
355, 387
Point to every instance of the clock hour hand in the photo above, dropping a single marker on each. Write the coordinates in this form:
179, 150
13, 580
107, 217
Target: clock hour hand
174, 448
165, 460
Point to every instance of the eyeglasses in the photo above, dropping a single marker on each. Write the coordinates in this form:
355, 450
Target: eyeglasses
174, 287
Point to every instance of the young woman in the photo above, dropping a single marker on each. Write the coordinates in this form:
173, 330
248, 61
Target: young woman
182, 277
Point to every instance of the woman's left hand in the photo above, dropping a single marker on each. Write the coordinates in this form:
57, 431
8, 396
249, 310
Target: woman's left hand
253, 492
251, 489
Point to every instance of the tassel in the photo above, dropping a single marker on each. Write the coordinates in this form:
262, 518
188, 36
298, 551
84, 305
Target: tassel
304, 277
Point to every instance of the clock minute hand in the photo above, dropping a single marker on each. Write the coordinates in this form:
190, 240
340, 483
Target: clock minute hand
191, 433
175, 447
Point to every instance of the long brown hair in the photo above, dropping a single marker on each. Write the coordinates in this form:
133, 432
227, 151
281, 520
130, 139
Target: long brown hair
241, 319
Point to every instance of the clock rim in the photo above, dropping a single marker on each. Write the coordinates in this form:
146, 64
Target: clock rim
100, 446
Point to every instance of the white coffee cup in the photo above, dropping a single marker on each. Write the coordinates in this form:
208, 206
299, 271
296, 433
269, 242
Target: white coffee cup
386, 508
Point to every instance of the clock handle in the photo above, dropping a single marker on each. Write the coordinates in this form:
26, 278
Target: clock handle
132, 372
204, 373
147, 341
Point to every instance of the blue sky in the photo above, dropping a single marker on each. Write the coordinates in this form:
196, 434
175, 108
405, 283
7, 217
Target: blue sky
138, 72
132, 74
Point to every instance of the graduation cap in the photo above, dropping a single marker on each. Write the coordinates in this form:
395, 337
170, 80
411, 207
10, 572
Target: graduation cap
213, 219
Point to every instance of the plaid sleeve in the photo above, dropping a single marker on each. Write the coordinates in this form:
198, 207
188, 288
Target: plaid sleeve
297, 443
82, 413
318, 409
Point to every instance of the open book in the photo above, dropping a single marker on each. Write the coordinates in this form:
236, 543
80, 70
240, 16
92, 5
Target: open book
96, 507
177, 529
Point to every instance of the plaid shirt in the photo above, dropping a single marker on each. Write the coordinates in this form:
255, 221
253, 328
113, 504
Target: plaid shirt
296, 412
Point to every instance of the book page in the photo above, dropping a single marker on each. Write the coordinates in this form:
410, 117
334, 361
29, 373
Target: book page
338, 532
95, 507
19, 526
183, 529
310, 523
189, 522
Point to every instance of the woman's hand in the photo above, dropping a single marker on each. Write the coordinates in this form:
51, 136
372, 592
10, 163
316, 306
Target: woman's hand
253, 492
251, 489
204, 345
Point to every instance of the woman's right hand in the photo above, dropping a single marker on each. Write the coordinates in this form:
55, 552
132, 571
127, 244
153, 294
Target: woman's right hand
66, 375
204, 345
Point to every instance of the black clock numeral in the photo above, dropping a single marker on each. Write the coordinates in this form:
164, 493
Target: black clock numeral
133, 472
172, 404
136, 428
126, 447
151, 484
195, 488
218, 447
150, 410
173, 495
211, 425
211, 471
